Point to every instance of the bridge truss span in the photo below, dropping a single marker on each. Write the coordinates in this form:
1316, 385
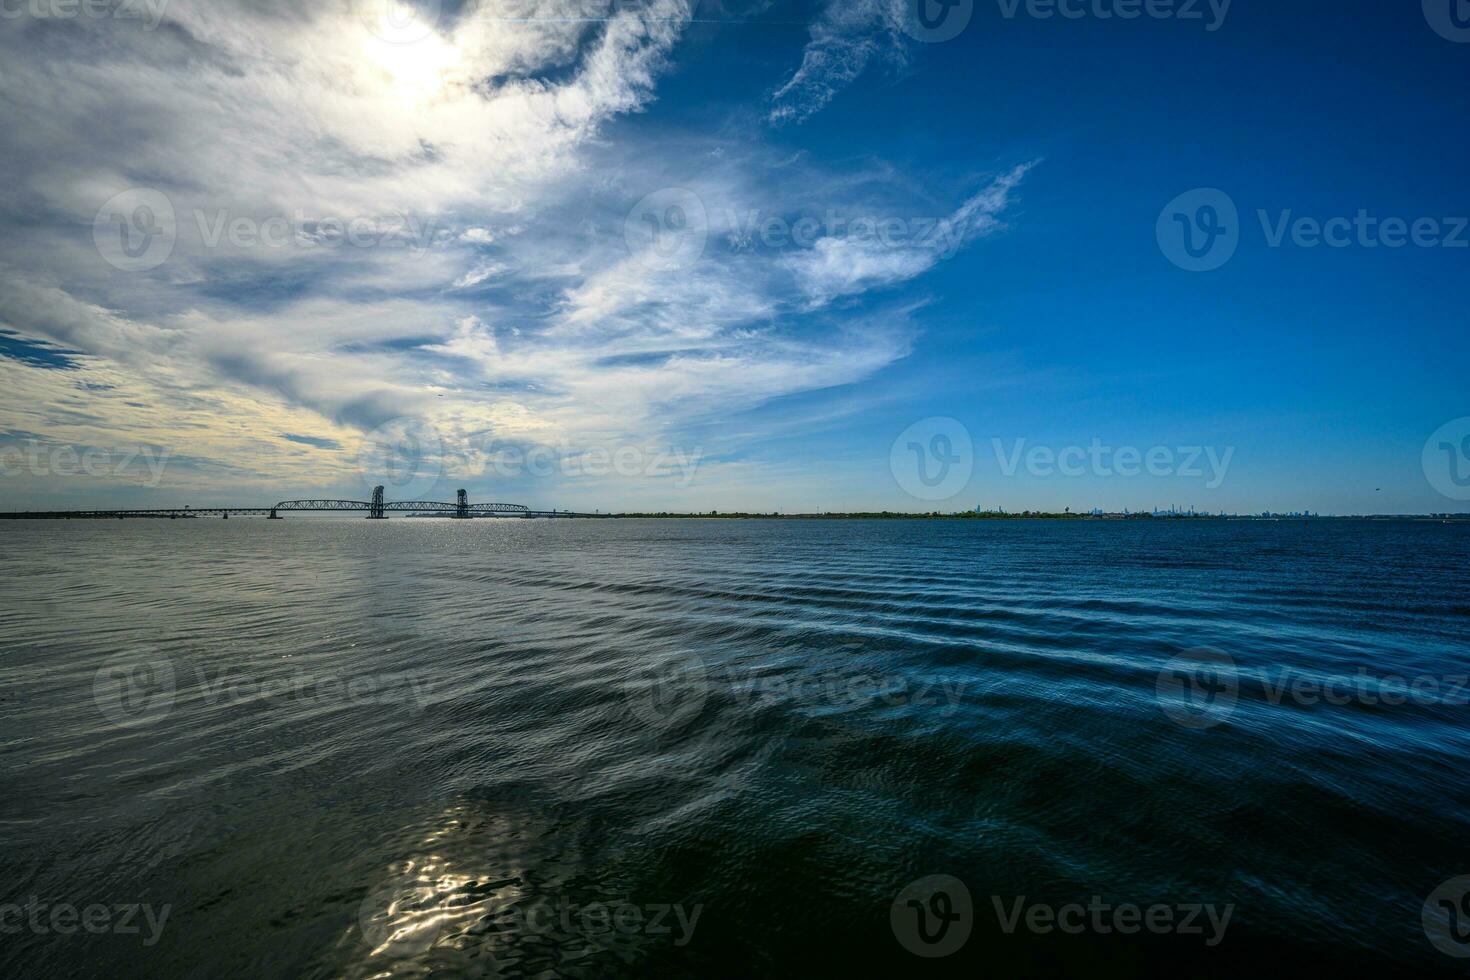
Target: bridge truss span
322, 506
498, 509
378, 507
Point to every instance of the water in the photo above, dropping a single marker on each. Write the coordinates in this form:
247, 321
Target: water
353, 748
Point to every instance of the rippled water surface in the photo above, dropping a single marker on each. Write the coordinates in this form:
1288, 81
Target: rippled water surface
342, 747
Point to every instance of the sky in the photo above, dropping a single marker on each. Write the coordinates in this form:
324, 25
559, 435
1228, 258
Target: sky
737, 255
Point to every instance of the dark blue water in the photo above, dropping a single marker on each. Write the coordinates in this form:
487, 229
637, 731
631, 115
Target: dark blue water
341, 747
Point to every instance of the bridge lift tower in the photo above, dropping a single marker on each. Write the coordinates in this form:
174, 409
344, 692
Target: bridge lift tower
462, 507
376, 510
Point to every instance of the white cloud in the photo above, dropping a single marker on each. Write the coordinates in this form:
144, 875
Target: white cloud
845, 38
485, 145
482, 272
884, 257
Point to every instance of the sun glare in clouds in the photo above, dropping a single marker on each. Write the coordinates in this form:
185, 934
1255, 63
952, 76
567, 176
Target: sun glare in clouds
417, 66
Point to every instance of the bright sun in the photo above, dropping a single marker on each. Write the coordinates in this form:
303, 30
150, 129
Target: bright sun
417, 69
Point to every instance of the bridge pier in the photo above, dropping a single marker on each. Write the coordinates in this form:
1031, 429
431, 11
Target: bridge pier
274, 516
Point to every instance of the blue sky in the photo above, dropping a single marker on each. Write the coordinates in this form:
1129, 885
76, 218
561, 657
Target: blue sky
736, 255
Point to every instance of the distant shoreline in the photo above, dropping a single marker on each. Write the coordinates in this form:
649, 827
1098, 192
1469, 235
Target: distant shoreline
249, 513
1038, 516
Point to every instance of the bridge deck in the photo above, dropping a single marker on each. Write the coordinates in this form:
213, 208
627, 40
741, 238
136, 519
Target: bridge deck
256, 512
377, 507
178, 512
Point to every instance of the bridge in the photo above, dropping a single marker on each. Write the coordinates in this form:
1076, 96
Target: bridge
376, 509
